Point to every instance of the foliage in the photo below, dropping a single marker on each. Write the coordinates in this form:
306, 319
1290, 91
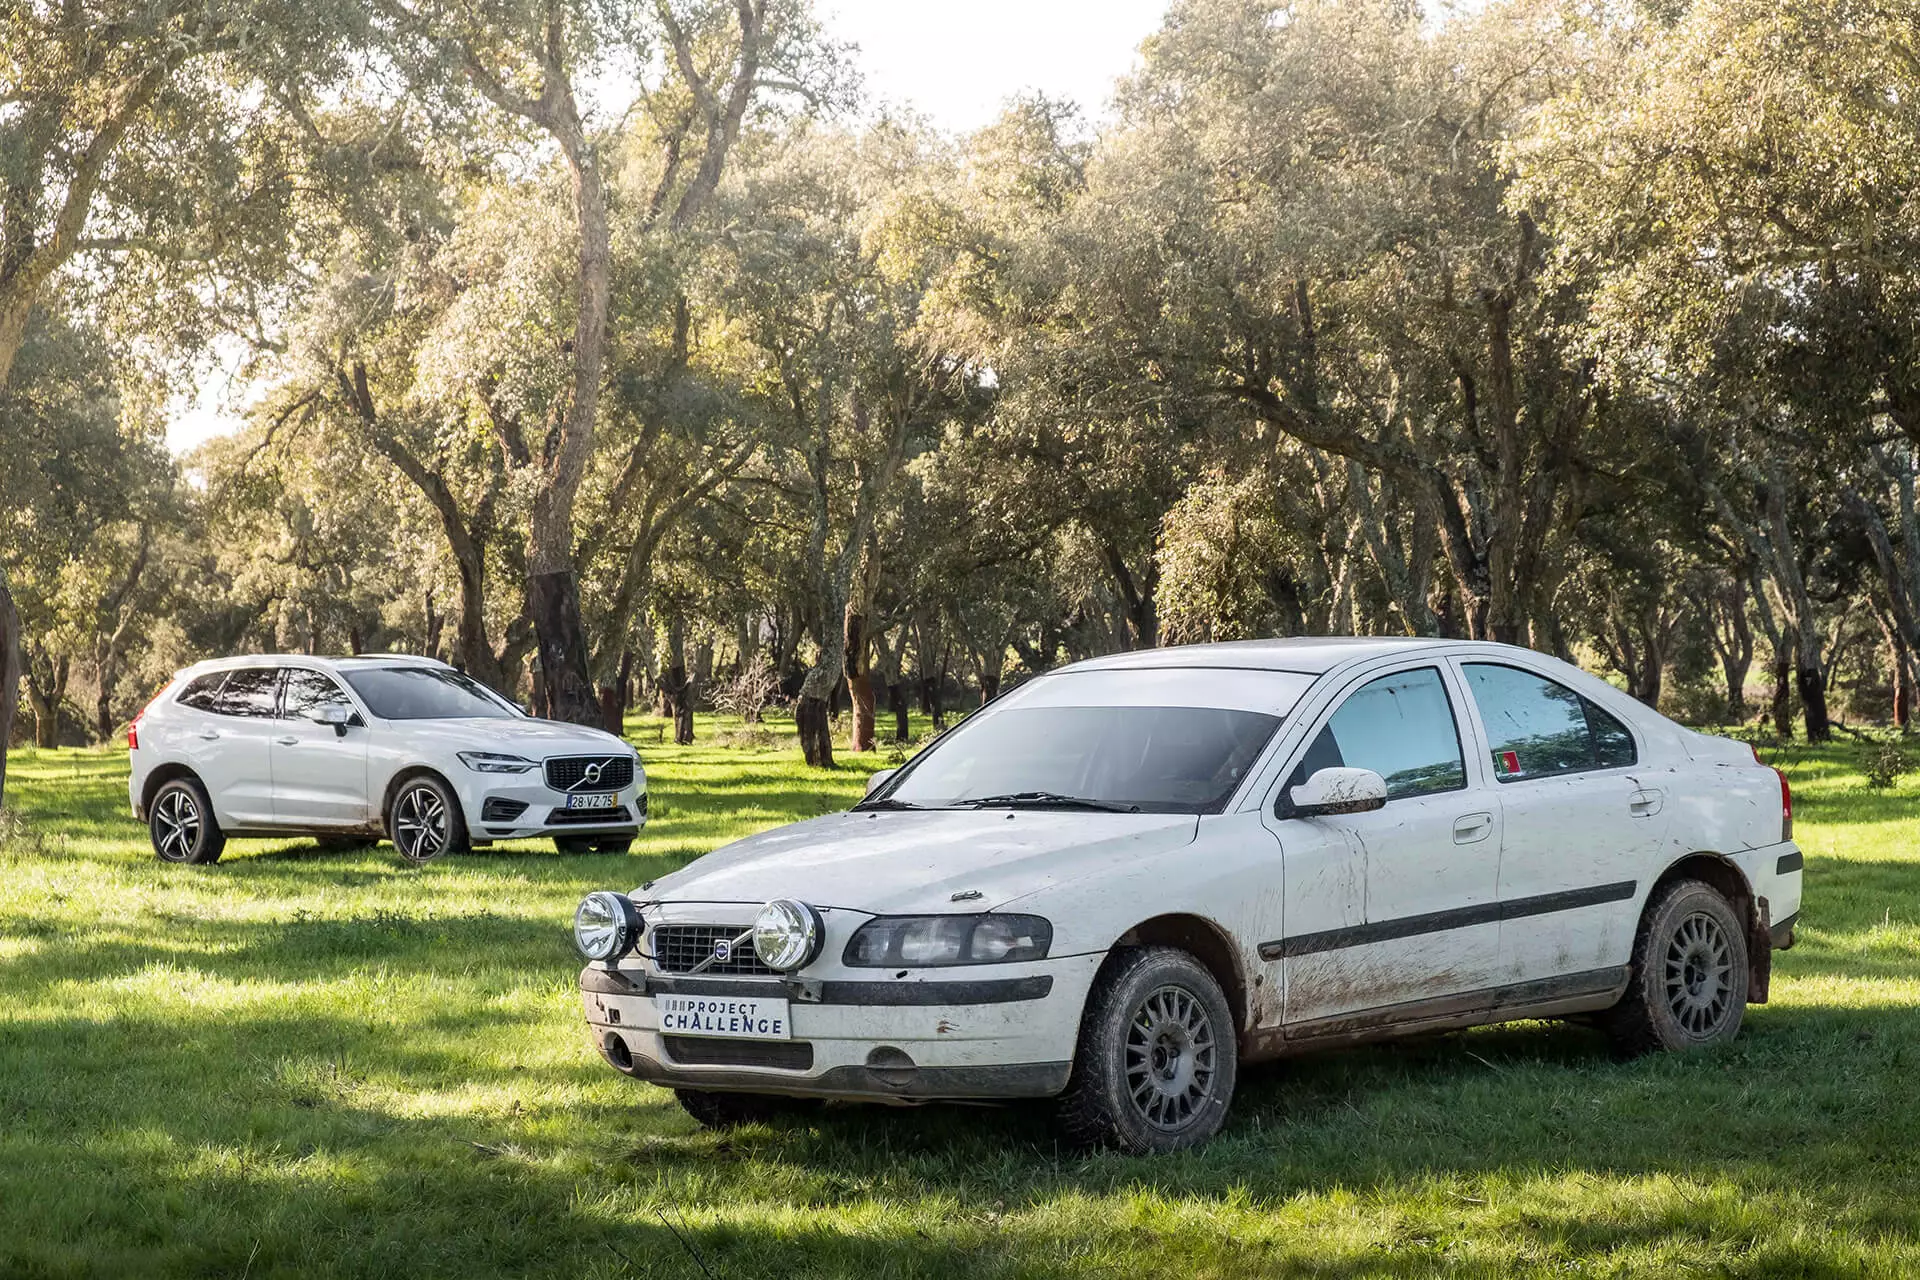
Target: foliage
1883, 764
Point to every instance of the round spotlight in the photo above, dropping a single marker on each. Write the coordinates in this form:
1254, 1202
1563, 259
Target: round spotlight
605, 926
787, 935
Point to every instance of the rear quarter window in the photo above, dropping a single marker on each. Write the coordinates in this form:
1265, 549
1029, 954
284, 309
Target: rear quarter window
202, 691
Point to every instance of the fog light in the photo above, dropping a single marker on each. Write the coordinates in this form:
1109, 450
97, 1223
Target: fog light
787, 935
605, 926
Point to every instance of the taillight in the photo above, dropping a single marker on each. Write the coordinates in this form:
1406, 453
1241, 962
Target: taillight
1786, 807
133, 735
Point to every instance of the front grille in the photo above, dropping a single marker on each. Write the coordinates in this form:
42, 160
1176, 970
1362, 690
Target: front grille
697, 1051
677, 948
569, 773
589, 817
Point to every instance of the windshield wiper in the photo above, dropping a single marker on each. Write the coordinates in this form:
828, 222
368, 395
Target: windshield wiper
1047, 800
887, 804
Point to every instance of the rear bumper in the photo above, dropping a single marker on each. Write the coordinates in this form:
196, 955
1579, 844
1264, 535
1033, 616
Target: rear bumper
1782, 931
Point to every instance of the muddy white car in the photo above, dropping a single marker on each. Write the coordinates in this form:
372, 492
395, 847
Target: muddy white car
1125, 879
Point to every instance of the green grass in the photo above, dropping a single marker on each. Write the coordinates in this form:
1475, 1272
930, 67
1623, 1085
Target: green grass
299, 1062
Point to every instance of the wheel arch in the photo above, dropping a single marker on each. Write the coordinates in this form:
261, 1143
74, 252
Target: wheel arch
1725, 875
163, 774
1205, 941
401, 777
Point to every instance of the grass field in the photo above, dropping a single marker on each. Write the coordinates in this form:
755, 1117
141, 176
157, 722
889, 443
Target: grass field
299, 1062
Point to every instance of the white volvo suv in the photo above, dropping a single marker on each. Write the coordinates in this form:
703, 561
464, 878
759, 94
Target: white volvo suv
350, 749
1126, 878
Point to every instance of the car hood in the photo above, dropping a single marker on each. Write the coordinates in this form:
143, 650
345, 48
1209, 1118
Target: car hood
887, 862
534, 738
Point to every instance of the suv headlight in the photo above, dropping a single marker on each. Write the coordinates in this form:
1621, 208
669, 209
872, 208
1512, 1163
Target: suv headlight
787, 935
606, 925
495, 762
908, 942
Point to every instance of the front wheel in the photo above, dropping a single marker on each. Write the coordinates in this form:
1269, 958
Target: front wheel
425, 820
1689, 984
182, 825
1157, 1057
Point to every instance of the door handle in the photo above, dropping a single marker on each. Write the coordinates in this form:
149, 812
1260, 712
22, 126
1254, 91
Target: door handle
288, 742
1472, 828
1646, 802
208, 735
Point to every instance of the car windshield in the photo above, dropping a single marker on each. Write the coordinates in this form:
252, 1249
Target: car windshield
1054, 750
426, 693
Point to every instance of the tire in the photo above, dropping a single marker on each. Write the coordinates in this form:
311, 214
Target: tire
573, 844
1157, 1059
714, 1109
181, 824
424, 822
1689, 984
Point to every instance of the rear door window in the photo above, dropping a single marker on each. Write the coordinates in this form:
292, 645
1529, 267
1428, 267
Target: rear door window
250, 691
1401, 726
1537, 727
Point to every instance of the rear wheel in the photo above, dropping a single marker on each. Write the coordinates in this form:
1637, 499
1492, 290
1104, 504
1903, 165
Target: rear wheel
182, 825
715, 1109
425, 821
1157, 1058
1689, 984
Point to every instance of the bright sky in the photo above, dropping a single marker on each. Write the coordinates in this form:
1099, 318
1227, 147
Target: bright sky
955, 63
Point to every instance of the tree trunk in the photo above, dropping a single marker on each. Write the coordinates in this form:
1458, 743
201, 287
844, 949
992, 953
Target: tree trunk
810, 716
1782, 695
9, 677
897, 703
614, 697
554, 600
1811, 684
859, 670
676, 686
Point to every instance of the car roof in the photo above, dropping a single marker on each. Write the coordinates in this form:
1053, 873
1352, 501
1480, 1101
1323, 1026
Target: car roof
323, 661
1307, 655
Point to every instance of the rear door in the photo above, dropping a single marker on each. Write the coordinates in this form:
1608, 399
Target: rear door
319, 774
1582, 822
236, 757
1396, 907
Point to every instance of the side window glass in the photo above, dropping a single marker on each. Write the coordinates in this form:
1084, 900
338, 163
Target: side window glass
248, 692
1400, 726
1535, 726
1612, 741
201, 691
309, 691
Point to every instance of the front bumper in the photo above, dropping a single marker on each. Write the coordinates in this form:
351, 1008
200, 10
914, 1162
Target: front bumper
943, 1034
499, 809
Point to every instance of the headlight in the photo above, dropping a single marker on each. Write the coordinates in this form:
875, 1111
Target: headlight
925, 941
787, 935
605, 926
494, 762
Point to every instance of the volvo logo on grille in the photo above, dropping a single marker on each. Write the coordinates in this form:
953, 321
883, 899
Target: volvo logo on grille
589, 776
723, 950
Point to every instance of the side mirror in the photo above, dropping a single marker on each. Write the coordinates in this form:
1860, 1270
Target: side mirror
880, 780
1332, 792
337, 716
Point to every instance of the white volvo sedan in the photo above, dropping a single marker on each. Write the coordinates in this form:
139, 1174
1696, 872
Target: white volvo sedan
350, 749
1124, 879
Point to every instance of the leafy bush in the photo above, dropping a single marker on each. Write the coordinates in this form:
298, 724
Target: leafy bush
1883, 763
17, 835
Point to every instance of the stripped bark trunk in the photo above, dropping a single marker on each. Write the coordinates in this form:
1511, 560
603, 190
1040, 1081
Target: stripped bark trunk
9, 677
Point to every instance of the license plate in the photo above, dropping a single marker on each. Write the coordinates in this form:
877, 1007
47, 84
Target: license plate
600, 801
734, 1017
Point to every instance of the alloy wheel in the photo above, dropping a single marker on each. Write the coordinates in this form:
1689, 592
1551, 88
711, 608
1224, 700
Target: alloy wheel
1699, 969
422, 827
1171, 1058
176, 825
